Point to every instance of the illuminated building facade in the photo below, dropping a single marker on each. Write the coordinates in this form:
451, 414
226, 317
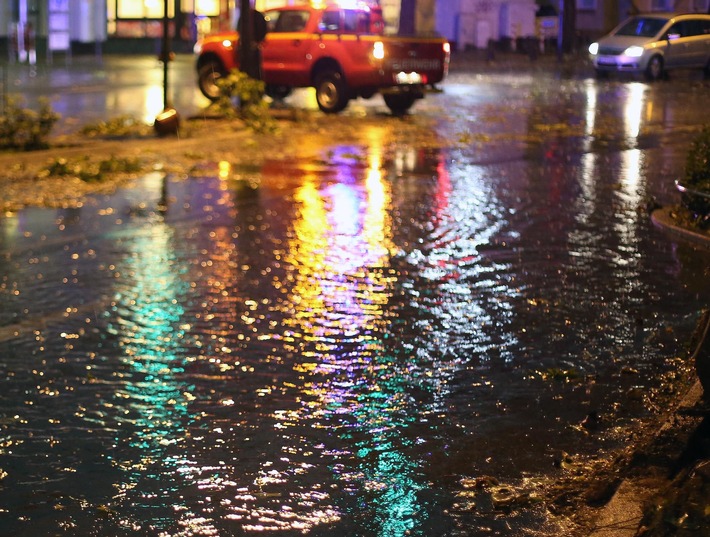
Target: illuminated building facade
65, 26
31, 28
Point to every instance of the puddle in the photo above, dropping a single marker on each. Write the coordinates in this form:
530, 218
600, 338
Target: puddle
339, 347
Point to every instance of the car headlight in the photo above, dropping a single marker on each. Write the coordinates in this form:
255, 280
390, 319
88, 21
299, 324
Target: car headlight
634, 52
197, 49
593, 49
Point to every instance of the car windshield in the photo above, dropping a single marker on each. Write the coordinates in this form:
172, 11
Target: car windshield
641, 27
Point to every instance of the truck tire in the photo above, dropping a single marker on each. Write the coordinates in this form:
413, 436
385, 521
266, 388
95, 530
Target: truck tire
207, 76
399, 103
331, 92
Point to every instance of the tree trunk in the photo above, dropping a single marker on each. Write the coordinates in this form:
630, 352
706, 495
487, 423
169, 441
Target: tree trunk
247, 44
569, 26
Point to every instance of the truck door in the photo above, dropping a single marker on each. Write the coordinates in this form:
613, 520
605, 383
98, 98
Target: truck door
286, 47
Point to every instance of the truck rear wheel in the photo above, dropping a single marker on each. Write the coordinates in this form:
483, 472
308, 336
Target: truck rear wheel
331, 92
207, 76
399, 103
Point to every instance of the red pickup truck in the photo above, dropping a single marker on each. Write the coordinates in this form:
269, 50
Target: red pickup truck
341, 52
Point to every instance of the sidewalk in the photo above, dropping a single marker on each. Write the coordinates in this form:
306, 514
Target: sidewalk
664, 483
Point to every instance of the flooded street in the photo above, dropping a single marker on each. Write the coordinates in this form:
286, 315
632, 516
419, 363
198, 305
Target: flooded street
397, 339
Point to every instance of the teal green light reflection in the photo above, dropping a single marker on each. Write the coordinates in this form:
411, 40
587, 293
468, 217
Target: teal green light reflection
151, 402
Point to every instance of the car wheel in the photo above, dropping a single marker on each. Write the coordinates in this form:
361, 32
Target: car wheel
706, 71
331, 92
207, 77
654, 69
399, 103
601, 74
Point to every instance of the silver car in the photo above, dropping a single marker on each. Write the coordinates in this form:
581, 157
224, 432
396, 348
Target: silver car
653, 44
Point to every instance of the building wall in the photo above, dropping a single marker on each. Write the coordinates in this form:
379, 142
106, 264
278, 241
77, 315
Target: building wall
474, 23
593, 23
467, 23
426, 17
390, 12
678, 6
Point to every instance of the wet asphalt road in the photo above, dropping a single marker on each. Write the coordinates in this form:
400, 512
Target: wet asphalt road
364, 345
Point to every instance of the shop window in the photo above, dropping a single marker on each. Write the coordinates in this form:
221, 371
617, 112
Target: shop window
203, 8
136, 18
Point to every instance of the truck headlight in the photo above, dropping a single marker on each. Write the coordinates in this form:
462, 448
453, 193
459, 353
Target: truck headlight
378, 50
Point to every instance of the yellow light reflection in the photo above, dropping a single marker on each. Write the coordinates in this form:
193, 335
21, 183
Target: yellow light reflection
224, 169
633, 109
309, 250
590, 113
631, 197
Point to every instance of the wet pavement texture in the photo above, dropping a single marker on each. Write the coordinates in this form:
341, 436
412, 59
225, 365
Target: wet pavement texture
354, 346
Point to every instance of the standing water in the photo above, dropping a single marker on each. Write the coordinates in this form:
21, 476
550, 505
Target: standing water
384, 343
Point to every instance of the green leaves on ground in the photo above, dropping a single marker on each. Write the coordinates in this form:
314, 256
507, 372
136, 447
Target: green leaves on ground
89, 171
125, 126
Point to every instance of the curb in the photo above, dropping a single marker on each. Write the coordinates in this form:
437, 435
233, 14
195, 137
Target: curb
623, 515
663, 218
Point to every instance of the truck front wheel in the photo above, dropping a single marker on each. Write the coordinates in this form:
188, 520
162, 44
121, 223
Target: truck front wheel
331, 92
399, 103
207, 76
